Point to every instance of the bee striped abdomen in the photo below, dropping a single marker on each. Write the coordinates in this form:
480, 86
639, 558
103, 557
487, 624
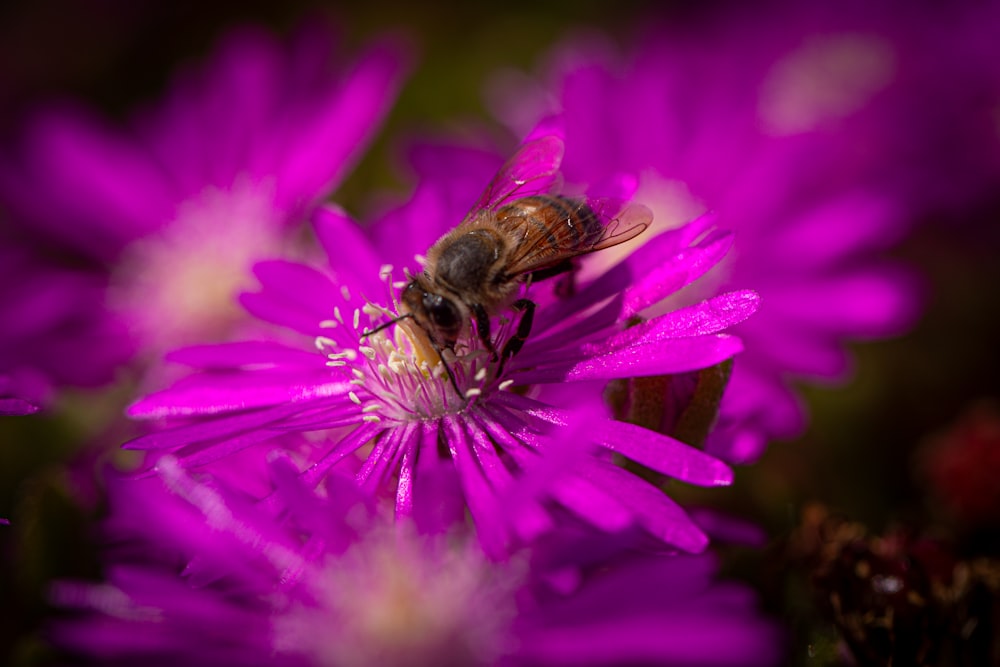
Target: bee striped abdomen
560, 224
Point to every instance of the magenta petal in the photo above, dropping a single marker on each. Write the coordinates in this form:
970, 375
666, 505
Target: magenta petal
348, 249
591, 503
662, 453
836, 231
525, 513
478, 494
331, 142
244, 354
292, 295
671, 275
653, 510
655, 358
84, 164
386, 454
707, 317
204, 431
347, 445
211, 394
404, 487
860, 304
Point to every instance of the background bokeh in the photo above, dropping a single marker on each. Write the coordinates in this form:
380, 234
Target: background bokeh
861, 455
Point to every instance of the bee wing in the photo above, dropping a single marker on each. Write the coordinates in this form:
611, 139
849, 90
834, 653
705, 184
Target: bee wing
620, 224
531, 170
630, 221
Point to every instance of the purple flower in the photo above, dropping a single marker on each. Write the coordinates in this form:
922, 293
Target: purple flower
690, 114
334, 583
46, 329
165, 217
385, 405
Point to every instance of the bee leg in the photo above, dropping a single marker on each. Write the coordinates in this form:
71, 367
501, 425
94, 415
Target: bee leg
483, 329
447, 369
516, 342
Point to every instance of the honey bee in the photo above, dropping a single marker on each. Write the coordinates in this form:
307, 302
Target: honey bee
515, 234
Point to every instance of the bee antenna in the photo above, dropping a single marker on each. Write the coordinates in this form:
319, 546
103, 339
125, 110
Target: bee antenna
386, 325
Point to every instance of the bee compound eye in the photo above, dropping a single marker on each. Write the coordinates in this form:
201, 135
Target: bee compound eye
443, 312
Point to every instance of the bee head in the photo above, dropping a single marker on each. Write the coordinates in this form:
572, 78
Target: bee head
436, 314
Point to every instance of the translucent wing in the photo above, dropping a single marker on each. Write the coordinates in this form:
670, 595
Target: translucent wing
531, 170
618, 224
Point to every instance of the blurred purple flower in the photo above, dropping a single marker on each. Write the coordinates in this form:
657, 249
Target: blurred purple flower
163, 219
387, 398
753, 125
334, 583
50, 331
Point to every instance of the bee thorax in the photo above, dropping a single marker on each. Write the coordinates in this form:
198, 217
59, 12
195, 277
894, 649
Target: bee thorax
466, 263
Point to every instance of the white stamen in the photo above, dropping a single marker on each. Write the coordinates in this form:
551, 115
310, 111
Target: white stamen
335, 364
371, 418
384, 271
354, 398
328, 324
323, 342
473, 391
336, 314
505, 384
371, 408
367, 351
357, 318
480, 375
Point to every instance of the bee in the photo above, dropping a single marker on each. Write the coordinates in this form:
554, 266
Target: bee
515, 234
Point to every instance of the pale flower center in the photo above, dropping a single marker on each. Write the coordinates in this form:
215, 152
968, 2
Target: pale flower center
827, 78
398, 599
179, 285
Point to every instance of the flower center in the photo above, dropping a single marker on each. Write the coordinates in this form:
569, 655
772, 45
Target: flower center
179, 286
399, 368
399, 599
